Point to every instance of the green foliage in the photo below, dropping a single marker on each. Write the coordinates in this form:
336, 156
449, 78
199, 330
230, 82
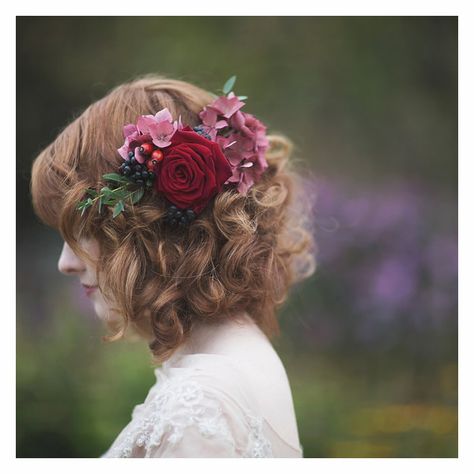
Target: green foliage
118, 208
113, 198
229, 85
137, 195
115, 177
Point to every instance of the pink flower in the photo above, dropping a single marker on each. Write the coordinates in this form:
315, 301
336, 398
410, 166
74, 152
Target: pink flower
227, 105
246, 158
133, 140
158, 128
211, 125
254, 130
162, 133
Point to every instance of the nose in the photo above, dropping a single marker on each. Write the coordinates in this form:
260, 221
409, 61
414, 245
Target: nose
69, 263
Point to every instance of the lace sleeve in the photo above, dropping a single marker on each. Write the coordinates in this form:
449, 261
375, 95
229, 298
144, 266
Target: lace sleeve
191, 420
186, 418
192, 423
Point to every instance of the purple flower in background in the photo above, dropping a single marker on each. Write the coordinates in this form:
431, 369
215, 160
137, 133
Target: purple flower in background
394, 282
388, 254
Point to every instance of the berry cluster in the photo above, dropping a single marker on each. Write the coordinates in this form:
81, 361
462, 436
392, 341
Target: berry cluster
179, 217
136, 172
142, 173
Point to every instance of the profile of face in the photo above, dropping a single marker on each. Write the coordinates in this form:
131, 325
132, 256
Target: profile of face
72, 265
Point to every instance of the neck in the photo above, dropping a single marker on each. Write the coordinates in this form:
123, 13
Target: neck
220, 337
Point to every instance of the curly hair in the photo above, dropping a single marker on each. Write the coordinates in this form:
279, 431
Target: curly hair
243, 253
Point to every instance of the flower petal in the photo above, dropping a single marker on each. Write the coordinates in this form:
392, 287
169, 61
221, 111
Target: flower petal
129, 129
163, 115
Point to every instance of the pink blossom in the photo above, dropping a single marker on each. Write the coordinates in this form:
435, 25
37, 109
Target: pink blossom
249, 126
144, 122
162, 133
158, 128
133, 141
247, 159
227, 105
211, 125
129, 129
254, 130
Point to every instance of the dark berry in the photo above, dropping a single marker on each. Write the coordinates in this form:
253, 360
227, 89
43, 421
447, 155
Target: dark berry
133, 160
130, 154
173, 221
145, 174
151, 175
178, 214
190, 214
183, 220
140, 182
173, 209
127, 170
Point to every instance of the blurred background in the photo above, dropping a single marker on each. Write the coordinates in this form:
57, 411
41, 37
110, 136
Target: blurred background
370, 341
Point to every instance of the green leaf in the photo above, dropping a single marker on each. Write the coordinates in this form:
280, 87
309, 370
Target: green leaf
118, 208
118, 194
115, 177
229, 84
105, 191
242, 97
91, 192
137, 195
100, 205
82, 206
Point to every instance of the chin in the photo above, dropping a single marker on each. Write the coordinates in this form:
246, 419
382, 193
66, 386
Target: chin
104, 313
103, 310
100, 311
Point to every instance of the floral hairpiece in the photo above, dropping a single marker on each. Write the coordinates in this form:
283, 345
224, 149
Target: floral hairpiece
188, 166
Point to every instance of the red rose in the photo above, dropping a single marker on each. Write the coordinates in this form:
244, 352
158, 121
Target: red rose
192, 171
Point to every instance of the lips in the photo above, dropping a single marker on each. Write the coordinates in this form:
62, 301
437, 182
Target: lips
89, 289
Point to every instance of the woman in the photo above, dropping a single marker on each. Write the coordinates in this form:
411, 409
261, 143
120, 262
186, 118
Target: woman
180, 219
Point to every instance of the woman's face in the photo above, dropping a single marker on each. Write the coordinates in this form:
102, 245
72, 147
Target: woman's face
71, 264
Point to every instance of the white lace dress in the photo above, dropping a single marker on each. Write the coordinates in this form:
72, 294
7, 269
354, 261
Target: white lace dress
224, 394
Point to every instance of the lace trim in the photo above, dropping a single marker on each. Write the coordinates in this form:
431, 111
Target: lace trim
191, 408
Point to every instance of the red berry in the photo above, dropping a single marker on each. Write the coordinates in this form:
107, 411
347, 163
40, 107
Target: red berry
146, 148
157, 155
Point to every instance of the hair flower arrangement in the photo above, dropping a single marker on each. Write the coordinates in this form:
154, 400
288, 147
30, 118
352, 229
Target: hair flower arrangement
188, 166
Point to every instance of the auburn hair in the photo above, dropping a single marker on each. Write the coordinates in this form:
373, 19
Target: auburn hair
242, 253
